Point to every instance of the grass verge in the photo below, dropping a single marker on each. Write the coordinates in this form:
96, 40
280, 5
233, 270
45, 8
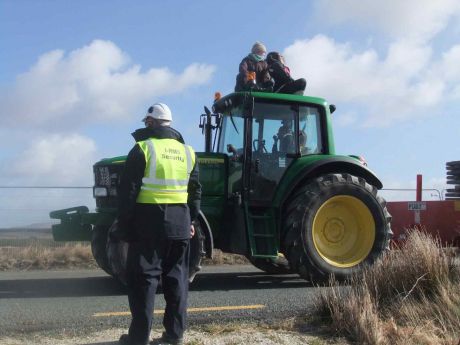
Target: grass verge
42, 257
410, 296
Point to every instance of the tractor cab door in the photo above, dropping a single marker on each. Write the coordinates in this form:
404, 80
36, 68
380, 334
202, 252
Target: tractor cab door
271, 145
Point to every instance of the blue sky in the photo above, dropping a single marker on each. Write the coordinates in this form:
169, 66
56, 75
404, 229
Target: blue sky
77, 76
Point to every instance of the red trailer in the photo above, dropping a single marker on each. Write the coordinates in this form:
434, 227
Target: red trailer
439, 218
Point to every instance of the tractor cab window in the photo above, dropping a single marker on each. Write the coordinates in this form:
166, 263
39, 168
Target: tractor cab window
310, 140
231, 143
273, 138
273, 129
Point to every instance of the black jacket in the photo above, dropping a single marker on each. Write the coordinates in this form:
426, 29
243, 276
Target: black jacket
144, 221
280, 74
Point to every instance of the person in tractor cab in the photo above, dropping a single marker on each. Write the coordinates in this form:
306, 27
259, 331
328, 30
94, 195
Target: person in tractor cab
253, 71
158, 203
285, 136
281, 75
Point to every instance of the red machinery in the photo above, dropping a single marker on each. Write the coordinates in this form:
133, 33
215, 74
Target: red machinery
439, 218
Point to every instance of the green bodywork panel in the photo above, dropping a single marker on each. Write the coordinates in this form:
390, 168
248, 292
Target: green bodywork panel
213, 179
76, 223
113, 160
283, 97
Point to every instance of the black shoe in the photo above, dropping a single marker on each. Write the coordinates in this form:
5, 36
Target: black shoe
124, 340
167, 340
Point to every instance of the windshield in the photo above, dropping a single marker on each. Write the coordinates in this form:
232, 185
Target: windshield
273, 130
232, 133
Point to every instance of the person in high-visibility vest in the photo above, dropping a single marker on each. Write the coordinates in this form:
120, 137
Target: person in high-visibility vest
158, 201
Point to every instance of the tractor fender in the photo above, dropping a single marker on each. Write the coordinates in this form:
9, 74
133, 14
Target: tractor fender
206, 228
340, 164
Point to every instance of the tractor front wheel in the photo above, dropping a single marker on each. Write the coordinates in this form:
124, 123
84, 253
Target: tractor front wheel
98, 247
336, 224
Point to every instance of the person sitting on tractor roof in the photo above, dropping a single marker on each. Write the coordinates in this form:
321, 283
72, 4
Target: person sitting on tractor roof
281, 74
253, 71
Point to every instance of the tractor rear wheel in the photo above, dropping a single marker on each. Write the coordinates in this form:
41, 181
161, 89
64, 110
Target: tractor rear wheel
197, 252
336, 224
98, 246
116, 266
279, 265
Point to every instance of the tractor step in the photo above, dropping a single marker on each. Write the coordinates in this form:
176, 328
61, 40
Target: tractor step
262, 232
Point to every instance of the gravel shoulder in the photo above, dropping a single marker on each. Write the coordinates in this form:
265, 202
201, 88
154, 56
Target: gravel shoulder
220, 335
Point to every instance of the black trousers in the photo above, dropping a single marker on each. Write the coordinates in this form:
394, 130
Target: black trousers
295, 86
146, 264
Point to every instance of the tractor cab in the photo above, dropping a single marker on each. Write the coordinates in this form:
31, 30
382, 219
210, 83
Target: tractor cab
263, 137
259, 137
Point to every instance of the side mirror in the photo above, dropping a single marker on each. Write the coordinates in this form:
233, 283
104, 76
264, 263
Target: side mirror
332, 108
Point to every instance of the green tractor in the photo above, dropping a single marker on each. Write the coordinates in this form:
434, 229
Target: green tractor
273, 190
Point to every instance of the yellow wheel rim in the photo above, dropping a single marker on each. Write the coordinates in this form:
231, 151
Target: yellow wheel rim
343, 231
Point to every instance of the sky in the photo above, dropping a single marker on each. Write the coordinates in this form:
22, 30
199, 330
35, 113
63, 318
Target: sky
76, 78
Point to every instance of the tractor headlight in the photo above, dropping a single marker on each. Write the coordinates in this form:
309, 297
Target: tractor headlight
100, 192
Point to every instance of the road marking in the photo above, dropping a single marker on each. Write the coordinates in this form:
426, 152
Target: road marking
189, 310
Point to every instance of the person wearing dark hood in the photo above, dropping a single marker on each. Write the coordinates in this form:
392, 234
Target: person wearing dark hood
158, 203
253, 71
281, 74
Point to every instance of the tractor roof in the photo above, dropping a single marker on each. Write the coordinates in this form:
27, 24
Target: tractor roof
237, 97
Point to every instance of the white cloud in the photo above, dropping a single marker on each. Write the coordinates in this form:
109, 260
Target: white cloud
418, 20
406, 82
95, 83
450, 66
394, 83
54, 160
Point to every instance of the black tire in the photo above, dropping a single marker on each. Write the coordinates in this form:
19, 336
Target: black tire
98, 247
120, 250
279, 265
453, 164
335, 225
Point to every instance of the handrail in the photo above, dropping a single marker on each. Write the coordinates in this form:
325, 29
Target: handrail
414, 189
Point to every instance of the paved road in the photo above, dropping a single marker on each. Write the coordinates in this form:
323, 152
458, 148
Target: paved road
84, 300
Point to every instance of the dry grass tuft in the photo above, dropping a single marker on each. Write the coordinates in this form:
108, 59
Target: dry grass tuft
410, 296
40, 255
43, 257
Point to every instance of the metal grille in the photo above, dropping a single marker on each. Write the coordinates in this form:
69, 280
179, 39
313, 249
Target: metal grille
108, 176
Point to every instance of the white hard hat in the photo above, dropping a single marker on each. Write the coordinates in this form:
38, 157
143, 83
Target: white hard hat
159, 111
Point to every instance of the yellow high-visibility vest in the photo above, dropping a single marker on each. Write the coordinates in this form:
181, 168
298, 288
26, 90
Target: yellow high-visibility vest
168, 165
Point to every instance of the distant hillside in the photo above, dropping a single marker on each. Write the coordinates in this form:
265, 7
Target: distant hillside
35, 227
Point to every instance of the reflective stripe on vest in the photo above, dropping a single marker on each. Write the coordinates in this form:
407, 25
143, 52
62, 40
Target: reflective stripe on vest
168, 165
